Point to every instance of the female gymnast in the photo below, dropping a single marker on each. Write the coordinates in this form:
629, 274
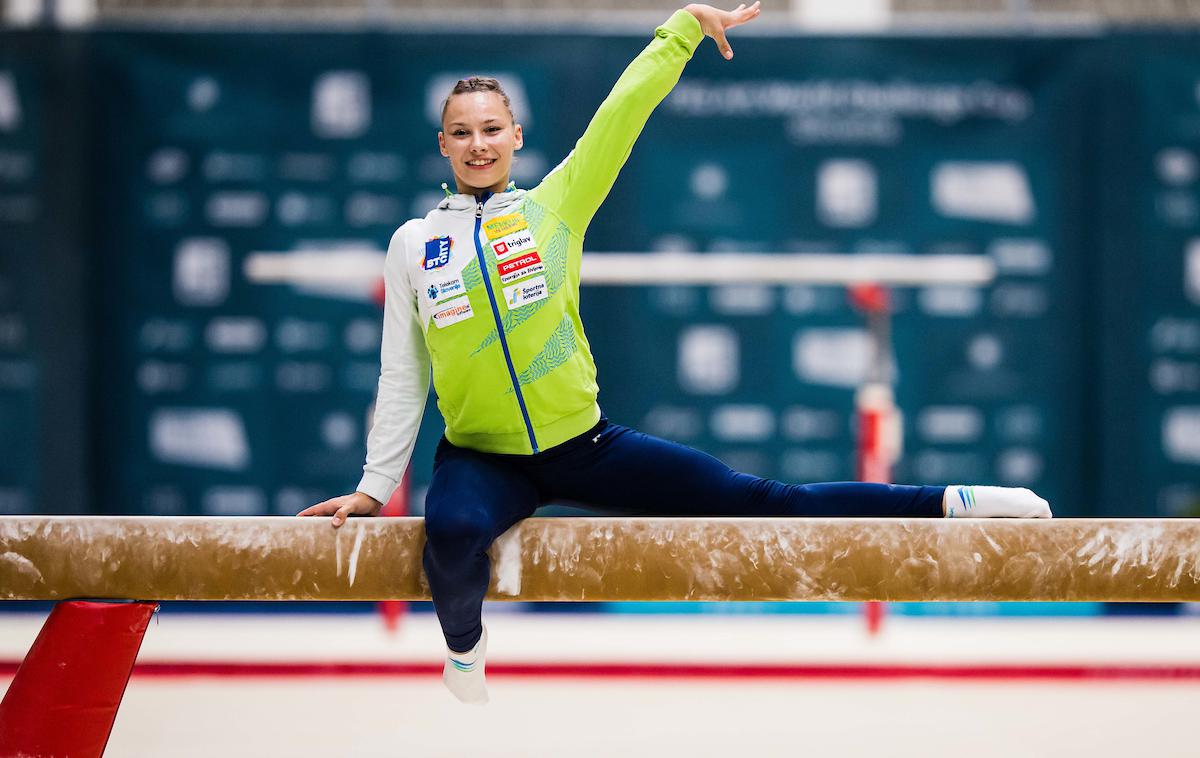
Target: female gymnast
485, 292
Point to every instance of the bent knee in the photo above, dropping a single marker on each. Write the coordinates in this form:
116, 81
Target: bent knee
459, 530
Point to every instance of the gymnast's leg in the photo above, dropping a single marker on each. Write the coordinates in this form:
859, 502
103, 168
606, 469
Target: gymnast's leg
618, 469
472, 499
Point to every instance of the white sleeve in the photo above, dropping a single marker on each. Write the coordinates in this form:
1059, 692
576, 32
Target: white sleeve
403, 380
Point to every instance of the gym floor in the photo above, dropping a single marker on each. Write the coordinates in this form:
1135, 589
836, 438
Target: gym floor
655, 685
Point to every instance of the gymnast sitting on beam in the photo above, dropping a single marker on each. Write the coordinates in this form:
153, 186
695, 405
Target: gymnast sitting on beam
484, 290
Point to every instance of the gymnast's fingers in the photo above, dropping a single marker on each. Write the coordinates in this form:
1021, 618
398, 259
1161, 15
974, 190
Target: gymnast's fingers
741, 15
343, 513
728, 20
718, 36
321, 509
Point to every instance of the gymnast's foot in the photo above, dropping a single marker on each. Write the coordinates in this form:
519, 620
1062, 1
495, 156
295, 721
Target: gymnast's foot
961, 501
463, 673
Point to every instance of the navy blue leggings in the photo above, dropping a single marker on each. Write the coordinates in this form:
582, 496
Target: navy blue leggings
475, 497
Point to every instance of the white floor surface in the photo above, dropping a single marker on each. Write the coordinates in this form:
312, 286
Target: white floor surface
536, 715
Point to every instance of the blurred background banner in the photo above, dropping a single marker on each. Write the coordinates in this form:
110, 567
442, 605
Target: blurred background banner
45, 379
1148, 315
22, 155
138, 363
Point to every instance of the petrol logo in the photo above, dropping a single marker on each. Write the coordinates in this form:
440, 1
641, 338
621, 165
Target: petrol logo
519, 268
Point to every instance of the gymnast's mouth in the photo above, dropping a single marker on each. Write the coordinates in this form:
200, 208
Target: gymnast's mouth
478, 163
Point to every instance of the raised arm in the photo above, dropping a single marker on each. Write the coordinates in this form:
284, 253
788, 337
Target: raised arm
400, 404
577, 186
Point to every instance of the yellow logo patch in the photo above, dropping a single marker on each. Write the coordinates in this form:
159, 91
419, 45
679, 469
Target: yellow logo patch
502, 225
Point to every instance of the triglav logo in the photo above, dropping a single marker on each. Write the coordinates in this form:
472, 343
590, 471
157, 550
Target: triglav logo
521, 241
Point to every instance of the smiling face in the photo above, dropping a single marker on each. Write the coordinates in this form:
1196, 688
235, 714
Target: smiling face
479, 137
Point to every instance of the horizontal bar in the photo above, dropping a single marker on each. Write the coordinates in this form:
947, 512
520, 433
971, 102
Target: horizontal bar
542, 559
365, 266
786, 268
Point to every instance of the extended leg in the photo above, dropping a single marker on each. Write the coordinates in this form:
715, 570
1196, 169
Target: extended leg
626, 471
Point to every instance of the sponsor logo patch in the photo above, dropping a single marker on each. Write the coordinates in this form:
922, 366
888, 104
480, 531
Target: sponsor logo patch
453, 311
437, 253
524, 293
502, 225
517, 242
516, 268
445, 289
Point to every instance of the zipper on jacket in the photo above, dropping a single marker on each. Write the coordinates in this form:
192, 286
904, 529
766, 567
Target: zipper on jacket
487, 283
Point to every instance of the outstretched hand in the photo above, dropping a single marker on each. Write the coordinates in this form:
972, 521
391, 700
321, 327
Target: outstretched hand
344, 506
714, 22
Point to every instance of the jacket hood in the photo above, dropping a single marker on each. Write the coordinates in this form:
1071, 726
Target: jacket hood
495, 201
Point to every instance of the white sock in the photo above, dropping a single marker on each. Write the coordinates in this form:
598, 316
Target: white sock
463, 673
977, 501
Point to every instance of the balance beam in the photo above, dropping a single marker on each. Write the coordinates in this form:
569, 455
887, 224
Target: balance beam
540, 559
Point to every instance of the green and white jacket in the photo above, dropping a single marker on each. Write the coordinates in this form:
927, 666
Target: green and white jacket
486, 292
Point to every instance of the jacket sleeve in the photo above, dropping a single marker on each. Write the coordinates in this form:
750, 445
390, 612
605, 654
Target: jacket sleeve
577, 186
403, 380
